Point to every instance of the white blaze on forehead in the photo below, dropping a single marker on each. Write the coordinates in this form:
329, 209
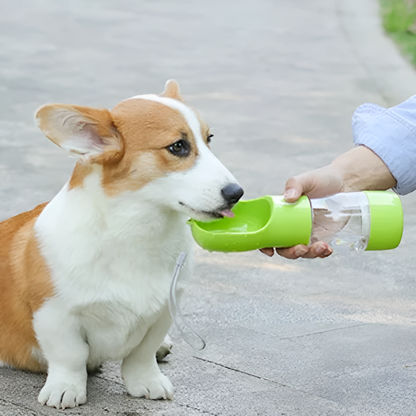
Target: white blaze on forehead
189, 116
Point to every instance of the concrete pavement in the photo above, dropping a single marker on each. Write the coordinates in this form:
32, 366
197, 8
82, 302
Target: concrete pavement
278, 82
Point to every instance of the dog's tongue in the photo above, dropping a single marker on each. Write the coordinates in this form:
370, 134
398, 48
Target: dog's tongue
227, 213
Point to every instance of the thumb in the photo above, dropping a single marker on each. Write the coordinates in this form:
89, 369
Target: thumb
305, 184
294, 189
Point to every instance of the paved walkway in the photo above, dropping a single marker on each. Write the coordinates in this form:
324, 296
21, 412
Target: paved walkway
278, 81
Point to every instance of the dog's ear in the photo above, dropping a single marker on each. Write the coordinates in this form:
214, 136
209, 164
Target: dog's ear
172, 90
85, 132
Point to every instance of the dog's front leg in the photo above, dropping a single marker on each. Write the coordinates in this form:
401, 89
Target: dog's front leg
67, 353
139, 369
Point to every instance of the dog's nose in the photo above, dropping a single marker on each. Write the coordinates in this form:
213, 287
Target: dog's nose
232, 193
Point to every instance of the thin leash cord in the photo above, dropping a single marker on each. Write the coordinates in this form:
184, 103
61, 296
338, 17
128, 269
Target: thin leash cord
185, 330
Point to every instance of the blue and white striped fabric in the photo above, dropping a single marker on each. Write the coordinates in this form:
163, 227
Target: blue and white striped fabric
391, 134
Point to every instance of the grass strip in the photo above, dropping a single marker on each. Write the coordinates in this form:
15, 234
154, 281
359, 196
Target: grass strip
399, 21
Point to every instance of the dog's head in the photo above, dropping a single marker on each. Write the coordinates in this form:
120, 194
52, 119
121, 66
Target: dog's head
152, 144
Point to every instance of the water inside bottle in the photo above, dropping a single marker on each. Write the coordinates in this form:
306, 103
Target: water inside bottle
342, 220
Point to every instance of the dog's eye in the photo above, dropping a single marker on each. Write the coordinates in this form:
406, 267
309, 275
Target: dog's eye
181, 148
209, 138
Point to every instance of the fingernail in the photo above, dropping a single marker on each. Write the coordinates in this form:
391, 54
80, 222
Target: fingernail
300, 251
321, 249
290, 193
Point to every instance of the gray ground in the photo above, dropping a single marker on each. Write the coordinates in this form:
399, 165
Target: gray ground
278, 81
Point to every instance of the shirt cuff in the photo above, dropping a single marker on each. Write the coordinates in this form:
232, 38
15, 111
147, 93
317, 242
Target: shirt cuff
391, 135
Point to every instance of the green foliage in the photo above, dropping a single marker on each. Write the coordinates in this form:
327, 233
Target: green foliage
399, 20
398, 15
407, 44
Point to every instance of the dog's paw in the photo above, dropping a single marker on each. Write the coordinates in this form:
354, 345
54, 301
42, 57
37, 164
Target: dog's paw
154, 387
62, 395
164, 349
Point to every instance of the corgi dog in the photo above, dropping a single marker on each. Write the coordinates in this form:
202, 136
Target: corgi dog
85, 278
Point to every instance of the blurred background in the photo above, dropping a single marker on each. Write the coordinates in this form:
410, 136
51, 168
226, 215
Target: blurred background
278, 82
275, 80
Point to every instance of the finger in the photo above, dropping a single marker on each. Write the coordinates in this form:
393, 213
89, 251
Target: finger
299, 185
293, 190
268, 251
294, 252
319, 249
314, 184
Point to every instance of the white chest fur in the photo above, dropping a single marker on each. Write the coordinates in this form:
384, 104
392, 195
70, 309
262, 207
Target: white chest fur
111, 263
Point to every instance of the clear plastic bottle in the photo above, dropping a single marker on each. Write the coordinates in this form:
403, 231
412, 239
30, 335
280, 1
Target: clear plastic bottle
342, 221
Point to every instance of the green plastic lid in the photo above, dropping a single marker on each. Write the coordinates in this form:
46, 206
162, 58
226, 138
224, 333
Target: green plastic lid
386, 223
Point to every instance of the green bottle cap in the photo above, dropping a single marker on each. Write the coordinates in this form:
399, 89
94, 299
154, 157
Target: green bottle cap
386, 220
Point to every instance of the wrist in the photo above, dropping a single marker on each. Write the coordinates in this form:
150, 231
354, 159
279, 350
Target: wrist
361, 169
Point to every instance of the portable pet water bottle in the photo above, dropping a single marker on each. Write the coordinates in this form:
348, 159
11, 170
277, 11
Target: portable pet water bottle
349, 222
356, 221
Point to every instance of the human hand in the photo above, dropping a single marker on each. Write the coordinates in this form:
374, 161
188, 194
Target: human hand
318, 249
315, 184
358, 169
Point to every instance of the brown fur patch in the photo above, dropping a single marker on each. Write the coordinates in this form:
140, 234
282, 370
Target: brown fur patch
54, 119
81, 171
24, 285
147, 128
204, 128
